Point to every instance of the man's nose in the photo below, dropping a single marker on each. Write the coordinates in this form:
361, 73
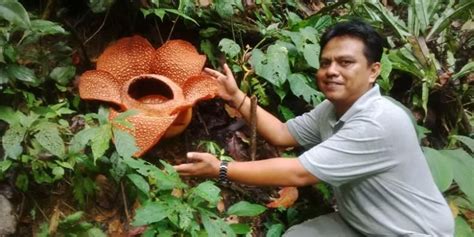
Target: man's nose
332, 70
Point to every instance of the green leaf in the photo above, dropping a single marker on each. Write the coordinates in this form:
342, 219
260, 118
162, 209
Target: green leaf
240, 229
72, 218
98, 6
208, 32
469, 142
462, 228
275, 230
244, 208
80, 139
140, 183
299, 85
273, 66
174, 11
8, 115
21, 73
225, 8
44, 27
4, 166
311, 54
12, 140
286, 112
447, 18
101, 141
58, 172
14, 12
463, 166
149, 213
466, 69
215, 227
63, 75
124, 143
208, 191
95, 232
421, 10
440, 167
48, 136
229, 47
22, 182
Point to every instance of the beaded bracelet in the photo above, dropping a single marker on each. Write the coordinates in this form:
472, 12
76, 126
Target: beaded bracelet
241, 103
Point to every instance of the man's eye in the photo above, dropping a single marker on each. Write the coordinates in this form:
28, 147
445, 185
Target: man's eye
346, 63
325, 64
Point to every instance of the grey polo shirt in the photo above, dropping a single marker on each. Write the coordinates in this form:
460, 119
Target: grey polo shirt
371, 157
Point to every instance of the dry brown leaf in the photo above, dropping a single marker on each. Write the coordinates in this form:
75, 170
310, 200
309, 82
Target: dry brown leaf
288, 196
233, 113
54, 221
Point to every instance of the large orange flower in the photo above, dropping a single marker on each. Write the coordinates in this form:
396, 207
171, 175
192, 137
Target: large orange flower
162, 85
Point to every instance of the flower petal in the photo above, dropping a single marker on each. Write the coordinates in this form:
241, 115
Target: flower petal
128, 57
147, 130
201, 87
99, 85
178, 60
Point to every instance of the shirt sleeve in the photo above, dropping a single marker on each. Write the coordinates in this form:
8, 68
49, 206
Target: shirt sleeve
359, 149
305, 129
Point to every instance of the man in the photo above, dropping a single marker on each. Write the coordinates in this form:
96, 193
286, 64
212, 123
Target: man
359, 142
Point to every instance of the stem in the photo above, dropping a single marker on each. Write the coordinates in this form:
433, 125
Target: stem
253, 127
100, 27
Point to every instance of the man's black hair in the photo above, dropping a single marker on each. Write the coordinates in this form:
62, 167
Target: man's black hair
373, 42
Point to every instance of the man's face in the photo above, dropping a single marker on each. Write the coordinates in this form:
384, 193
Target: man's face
345, 74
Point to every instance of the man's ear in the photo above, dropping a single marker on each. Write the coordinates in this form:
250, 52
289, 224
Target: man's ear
374, 71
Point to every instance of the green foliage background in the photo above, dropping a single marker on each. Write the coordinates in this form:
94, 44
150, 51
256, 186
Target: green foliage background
50, 136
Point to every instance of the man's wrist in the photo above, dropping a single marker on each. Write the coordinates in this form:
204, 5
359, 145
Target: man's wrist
238, 100
223, 170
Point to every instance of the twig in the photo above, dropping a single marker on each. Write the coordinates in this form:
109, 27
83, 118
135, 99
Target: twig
100, 27
158, 31
253, 127
124, 199
202, 121
47, 10
172, 28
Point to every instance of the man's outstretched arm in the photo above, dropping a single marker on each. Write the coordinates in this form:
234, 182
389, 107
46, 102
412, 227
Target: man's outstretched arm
269, 172
268, 126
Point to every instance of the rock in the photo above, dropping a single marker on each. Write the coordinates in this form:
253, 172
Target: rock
8, 220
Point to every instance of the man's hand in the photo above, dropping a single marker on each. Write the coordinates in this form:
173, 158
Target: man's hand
202, 165
227, 81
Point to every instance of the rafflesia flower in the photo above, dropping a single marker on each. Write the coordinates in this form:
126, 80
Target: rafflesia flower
162, 85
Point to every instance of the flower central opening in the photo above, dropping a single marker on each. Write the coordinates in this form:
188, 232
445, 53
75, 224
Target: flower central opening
149, 90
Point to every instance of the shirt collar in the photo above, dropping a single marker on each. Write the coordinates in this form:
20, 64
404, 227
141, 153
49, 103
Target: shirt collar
359, 105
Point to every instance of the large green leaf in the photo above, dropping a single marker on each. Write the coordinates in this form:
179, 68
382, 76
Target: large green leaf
311, 54
151, 212
440, 167
469, 142
447, 18
8, 115
63, 75
464, 71
273, 66
124, 143
215, 227
21, 73
299, 85
421, 10
208, 191
44, 27
244, 208
275, 230
80, 139
140, 183
462, 228
47, 134
463, 168
101, 141
229, 47
12, 140
14, 12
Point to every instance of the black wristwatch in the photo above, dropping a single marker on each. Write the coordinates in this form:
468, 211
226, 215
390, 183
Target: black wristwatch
223, 179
